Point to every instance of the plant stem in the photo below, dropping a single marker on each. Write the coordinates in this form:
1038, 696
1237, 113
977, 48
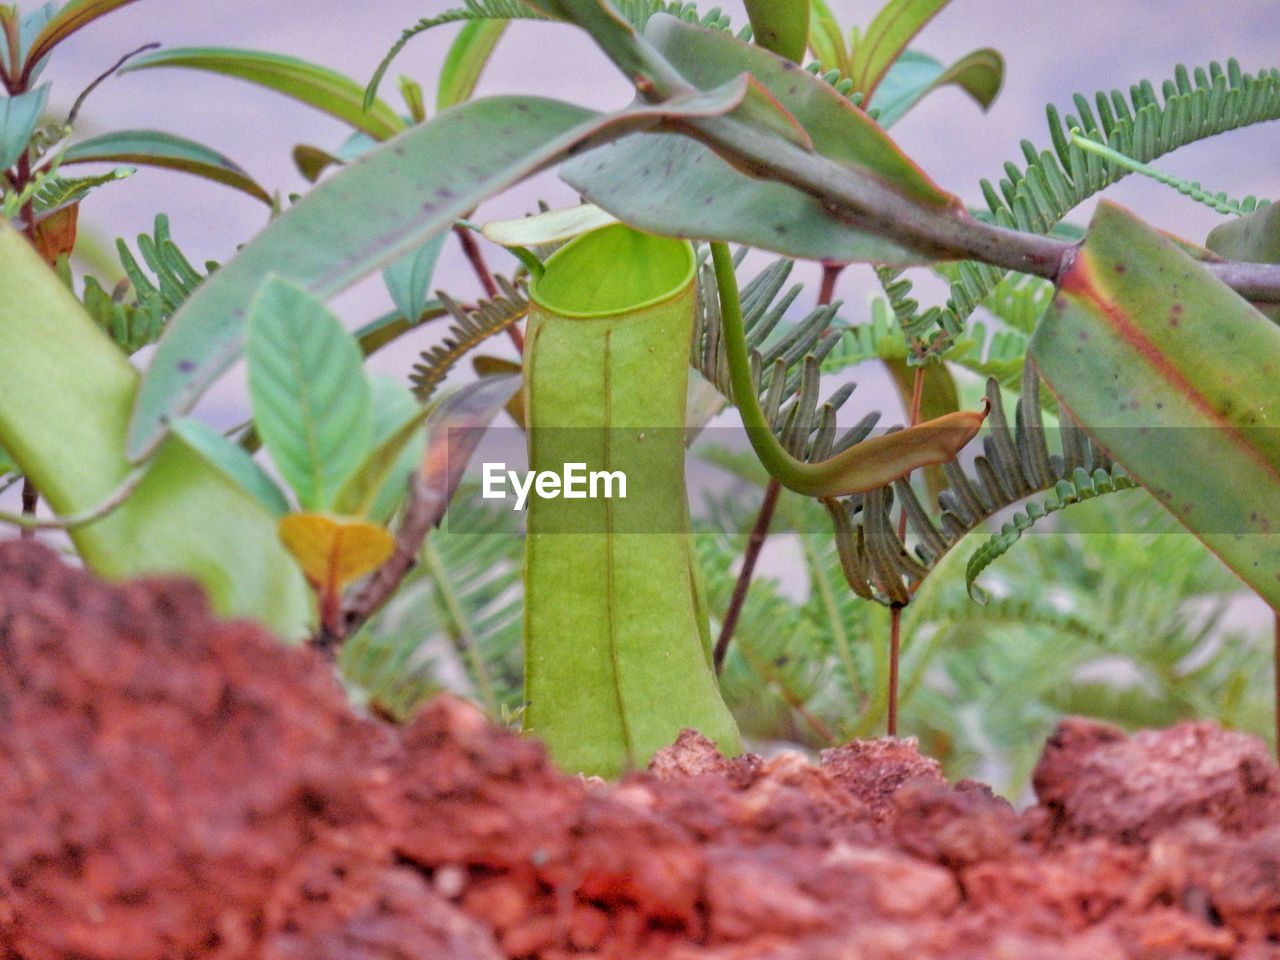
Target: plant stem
863, 467
1276, 675
830, 274
895, 613
481, 267
895, 649
30, 499
749, 557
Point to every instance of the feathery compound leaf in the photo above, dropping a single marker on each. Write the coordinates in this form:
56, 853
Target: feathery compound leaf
1080, 487
470, 328
1142, 125
311, 401
1016, 463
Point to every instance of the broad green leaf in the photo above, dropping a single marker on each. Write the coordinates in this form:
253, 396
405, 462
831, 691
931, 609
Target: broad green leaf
466, 61
325, 89
19, 116
398, 423
826, 39
311, 401
233, 460
63, 415
154, 148
333, 551
7, 465
915, 75
781, 26
1176, 377
893, 28
70, 18
405, 194
408, 280
670, 184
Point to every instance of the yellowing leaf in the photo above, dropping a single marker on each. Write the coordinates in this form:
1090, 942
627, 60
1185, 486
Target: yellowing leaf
333, 551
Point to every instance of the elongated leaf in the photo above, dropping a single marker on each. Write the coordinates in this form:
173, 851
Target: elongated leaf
670, 184
325, 89
233, 460
63, 415
19, 116
826, 39
1175, 375
781, 26
69, 19
893, 28
466, 61
154, 148
311, 401
405, 194
408, 280
915, 75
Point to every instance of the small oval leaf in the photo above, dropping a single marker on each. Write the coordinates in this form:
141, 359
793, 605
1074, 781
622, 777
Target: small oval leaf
333, 551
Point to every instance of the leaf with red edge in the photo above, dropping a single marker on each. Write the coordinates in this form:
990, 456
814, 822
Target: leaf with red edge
1178, 378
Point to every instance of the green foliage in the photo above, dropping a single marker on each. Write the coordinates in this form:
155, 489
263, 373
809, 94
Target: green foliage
455, 624
469, 329
635, 12
1167, 393
1143, 125
1016, 463
135, 321
311, 401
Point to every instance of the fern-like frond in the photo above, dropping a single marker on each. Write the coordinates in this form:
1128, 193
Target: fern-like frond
1035, 197
1081, 486
786, 361
59, 191
157, 291
1015, 464
469, 329
1218, 202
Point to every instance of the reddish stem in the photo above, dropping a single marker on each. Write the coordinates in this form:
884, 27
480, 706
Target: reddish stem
895, 649
481, 267
830, 274
759, 533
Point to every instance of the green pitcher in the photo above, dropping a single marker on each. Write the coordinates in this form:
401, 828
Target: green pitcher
617, 641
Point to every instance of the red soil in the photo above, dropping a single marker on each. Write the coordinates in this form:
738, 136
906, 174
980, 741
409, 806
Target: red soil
174, 786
